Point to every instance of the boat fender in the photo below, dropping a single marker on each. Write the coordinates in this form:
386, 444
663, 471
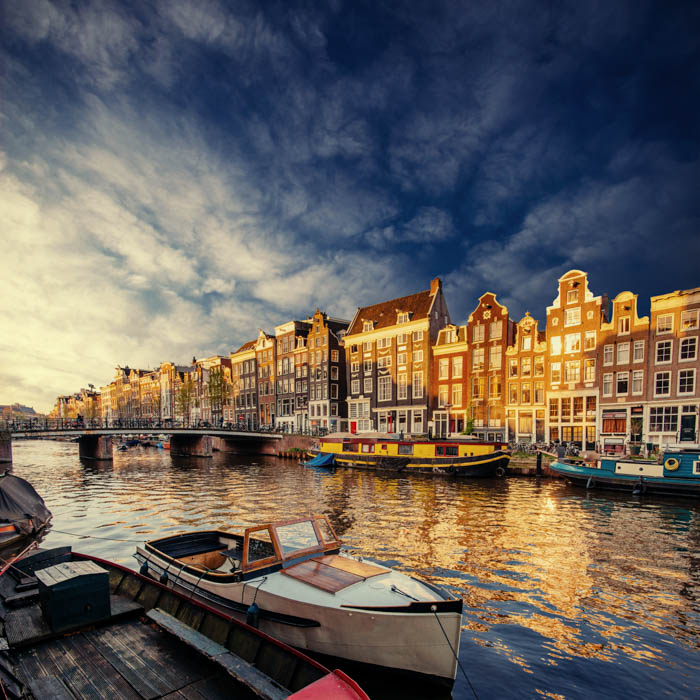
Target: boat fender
252, 616
144, 569
500, 472
639, 488
590, 483
164, 578
671, 464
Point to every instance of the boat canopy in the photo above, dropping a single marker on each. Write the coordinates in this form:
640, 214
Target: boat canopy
321, 460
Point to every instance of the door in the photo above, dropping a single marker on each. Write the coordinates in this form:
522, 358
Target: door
688, 428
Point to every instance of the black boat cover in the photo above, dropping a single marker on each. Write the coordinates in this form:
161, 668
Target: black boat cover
21, 505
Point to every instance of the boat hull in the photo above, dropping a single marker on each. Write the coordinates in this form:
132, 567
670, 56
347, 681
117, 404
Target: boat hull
404, 641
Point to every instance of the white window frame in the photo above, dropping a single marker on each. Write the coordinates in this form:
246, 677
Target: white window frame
572, 343
444, 368
402, 358
589, 363
608, 355
668, 343
367, 326
589, 336
681, 341
417, 336
443, 395
554, 366
656, 379
496, 329
607, 389
417, 356
495, 357
402, 386
478, 364
621, 348
687, 372
664, 328
637, 379
622, 376
355, 386
572, 368
367, 385
526, 343
417, 385
478, 337
456, 394
457, 367
623, 326
692, 320
384, 388
638, 357
572, 316
555, 345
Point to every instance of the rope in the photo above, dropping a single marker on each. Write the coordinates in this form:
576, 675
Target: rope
94, 537
459, 663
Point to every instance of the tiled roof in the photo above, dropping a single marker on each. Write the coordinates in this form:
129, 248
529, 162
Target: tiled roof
247, 346
384, 315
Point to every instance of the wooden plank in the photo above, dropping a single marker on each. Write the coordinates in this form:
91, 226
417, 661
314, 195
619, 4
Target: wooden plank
257, 681
26, 625
317, 574
49, 688
186, 634
359, 568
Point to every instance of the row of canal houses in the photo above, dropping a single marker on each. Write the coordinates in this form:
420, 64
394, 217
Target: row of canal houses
598, 375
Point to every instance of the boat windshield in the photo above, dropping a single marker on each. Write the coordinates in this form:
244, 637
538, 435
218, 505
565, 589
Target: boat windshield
297, 536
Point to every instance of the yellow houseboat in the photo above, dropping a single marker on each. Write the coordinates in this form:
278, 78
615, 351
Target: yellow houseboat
456, 456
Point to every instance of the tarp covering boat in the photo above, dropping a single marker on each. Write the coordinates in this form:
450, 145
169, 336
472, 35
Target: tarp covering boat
321, 460
21, 505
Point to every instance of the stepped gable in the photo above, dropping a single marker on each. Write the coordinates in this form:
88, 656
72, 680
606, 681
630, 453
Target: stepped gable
383, 315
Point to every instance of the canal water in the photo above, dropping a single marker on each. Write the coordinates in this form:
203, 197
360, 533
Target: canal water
567, 594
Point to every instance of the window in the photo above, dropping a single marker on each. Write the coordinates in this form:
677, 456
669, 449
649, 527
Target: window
368, 385
403, 317
367, 366
623, 383
383, 362
384, 343
566, 408
334, 391
539, 366
572, 316
367, 346
664, 324
418, 356
526, 366
384, 388
513, 368
664, 348
555, 345
334, 373
355, 386
539, 392
688, 349
478, 358
623, 354
367, 326
456, 394
623, 326
478, 387
456, 367
355, 367
608, 354
662, 384
555, 372
443, 391
689, 320
607, 384
589, 340
686, 381
572, 296
663, 419
614, 421
496, 330
494, 386
638, 352
402, 358
638, 381
417, 336
553, 409
402, 386
527, 342
402, 338
525, 396
478, 333
572, 371
572, 342
444, 368
334, 355
494, 357
418, 385
589, 370
513, 392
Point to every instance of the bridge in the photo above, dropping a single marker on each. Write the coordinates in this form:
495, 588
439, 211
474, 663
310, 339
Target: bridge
96, 438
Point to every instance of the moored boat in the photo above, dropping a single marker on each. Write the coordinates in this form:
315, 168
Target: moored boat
92, 628
675, 472
460, 456
292, 580
23, 513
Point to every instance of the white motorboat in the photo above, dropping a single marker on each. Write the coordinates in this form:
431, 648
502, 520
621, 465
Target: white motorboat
291, 580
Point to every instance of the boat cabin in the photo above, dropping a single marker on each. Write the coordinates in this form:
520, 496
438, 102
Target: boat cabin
253, 551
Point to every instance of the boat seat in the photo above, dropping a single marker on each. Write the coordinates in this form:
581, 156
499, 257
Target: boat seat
191, 546
234, 556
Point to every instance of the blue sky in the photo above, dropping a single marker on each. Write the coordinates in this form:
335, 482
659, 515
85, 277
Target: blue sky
175, 175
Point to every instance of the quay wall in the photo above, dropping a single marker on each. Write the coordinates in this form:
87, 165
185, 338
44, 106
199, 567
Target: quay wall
266, 447
5, 447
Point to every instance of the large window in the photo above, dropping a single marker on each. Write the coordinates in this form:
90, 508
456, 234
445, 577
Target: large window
456, 367
572, 316
383, 362
478, 358
496, 330
572, 371
663, 419
638, 381
478, 333
555, 345
589, 340
513, 367
572, 342
638, 351
494, 386
689, 320
664, 348
513, 392
456, 394
607, 384
608, 354
525, 396
662, 384
368, 385
367, 366
526, 342
553, 409
355, 386
623, 383
443, 392
418, 385
539, 392
477, 387
589, 369
418, 356
664, 324
688, 349
539, 366
623, 326
402, 358
444, 368
555, 371
526, 366
494, 357
686, 381
384, 388
623, 354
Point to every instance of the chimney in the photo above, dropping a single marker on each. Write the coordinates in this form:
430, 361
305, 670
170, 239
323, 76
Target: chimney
435, 285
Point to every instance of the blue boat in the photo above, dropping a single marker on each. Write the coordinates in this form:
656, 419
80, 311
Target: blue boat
677, 473
321, 460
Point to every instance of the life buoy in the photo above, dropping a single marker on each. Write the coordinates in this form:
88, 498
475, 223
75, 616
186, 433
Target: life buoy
671, 464
500, 472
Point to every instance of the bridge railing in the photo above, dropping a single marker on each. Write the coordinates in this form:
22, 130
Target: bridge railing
42, 425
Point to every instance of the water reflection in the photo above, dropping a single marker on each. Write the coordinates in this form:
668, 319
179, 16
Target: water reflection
568, 594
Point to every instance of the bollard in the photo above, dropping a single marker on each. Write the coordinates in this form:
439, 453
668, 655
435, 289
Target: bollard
539, 463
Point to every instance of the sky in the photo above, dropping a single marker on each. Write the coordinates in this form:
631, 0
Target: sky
176, 175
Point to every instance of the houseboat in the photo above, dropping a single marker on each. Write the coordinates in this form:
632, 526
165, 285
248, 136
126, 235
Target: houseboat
461, 456
291, 580
675, 472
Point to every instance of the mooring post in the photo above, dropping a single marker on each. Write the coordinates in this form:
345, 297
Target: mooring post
5, 446
539, 463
